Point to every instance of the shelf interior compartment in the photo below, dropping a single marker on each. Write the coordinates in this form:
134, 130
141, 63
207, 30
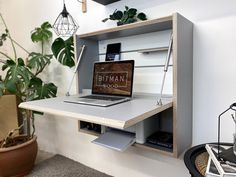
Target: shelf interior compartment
157, 131
90, 128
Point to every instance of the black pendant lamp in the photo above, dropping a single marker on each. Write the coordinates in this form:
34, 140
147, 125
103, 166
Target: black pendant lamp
65, 25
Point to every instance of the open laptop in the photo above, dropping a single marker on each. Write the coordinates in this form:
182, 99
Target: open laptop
112, 84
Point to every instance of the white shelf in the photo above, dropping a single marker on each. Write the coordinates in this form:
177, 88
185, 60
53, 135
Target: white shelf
144, 51
159, 49
141, 27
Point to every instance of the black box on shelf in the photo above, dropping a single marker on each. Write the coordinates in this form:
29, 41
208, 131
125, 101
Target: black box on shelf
161, 138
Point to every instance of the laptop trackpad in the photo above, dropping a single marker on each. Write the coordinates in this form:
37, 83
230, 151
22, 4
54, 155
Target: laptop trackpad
87, 100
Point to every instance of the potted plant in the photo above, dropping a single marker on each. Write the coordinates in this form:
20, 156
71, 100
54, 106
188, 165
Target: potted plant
129, 15
18, 152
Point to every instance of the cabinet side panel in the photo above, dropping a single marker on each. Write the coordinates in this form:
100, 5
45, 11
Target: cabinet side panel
85, 69
183, 81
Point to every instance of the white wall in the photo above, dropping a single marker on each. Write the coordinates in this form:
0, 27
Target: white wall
214, 80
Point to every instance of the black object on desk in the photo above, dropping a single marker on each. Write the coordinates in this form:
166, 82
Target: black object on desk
113, 52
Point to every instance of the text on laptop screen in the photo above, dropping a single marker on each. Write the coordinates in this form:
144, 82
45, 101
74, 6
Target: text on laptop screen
113, 78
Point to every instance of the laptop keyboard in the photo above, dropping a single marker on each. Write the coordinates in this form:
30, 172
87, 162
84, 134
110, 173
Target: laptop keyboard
98, 97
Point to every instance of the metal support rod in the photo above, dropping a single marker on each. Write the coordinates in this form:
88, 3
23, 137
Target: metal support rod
75, 71
159, 102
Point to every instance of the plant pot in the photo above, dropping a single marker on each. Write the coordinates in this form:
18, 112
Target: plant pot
18, 161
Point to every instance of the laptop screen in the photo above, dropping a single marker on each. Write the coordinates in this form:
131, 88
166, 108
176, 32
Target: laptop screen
113, 78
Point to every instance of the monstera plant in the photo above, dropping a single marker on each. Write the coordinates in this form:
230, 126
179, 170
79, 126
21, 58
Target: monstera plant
22, 78
22, 74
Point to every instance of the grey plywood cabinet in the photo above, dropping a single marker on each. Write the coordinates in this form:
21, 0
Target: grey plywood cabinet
175, 115
182, 30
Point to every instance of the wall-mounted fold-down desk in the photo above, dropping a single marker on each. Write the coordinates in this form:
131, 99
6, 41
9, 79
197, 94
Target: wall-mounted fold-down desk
174, 115
118, 116
128, 115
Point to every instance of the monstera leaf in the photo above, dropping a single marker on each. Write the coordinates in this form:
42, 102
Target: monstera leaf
132, 12
47, 91
117, 15
17, 77
42, 33
63, 50
38, 61
142, 16
8, 64
129, 15
40, 90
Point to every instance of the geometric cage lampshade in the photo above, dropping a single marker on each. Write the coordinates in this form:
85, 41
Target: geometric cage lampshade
65, 25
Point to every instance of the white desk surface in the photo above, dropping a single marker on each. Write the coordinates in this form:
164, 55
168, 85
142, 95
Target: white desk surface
118, 116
